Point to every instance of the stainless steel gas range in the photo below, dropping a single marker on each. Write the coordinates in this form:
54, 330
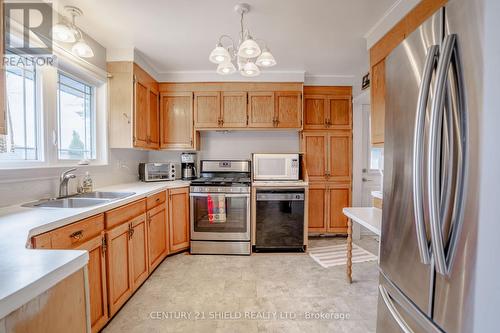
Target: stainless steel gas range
220, 208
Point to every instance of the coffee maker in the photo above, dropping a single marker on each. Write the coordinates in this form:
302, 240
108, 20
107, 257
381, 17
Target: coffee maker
188, 165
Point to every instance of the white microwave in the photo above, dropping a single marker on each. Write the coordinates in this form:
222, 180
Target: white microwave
275, 166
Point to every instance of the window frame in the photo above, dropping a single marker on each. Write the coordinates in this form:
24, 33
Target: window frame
48, 137
94, 117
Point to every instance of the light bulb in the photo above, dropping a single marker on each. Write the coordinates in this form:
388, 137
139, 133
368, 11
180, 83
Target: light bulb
82, 49
219, 55
226, 68
249, 49
265, 59
61, 32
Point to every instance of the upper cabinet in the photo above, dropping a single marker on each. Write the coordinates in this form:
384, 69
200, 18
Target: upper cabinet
327, 107
288, 109
377, 92
207, 109
234, 109
133, 107
261, 109
176, 121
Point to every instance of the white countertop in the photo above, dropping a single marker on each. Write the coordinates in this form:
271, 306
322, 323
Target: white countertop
378, 195
368, 217
278, 183
26, 273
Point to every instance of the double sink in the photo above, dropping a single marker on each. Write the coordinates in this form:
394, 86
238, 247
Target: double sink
80, 200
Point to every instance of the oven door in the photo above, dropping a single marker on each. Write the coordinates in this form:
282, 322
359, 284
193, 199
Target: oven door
233, 224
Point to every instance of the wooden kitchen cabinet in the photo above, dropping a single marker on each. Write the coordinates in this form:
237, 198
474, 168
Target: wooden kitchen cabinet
178, 208
326, 201
377, 91
139, 250
86, 235
207, 109
157, 235
328, 154
118, 267
288, 109
234, 112
261, 109
327, 107
176, 121
133, 107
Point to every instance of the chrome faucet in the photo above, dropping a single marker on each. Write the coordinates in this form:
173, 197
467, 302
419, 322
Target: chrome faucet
63, 184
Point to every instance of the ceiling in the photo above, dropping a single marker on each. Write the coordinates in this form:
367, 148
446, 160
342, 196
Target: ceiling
319, 37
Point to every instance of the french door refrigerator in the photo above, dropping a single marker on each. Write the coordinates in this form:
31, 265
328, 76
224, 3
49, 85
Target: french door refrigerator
427, 249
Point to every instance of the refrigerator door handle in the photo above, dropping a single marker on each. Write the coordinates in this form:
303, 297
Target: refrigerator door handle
392, 309
449, 56
418, 152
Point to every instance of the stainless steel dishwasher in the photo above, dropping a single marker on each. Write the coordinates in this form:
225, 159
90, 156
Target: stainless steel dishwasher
279, 220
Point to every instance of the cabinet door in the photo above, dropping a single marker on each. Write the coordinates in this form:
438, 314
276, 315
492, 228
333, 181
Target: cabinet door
176, 121
234, 109
339, 197
339, 156
157, 235
317, 208
288, 109
141, 114
377, 91
154, 120
97, 282
178, 207
315, 111
314, 144
118, 267
339, 113
207, 109
139, 250
261, 109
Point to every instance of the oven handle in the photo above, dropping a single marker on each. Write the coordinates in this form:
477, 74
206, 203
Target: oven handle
227, 195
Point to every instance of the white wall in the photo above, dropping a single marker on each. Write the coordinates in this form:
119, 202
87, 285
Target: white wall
20, 186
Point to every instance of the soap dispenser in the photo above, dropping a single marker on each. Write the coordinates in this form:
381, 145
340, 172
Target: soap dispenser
87, 183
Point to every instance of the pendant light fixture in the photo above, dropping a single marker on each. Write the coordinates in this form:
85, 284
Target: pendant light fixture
247, 57
66, 31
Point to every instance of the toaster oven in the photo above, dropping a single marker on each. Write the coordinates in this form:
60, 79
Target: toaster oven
155, 172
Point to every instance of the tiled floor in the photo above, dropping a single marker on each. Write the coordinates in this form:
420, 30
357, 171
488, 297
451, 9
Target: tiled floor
242, 294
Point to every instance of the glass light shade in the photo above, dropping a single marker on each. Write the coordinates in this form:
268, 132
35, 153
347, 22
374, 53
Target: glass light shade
82, 49
219, 55
266, 59
250, 69
61, 32
226, 68
249, 49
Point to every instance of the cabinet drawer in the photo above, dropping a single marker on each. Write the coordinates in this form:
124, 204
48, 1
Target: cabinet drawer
125, 213
77, 233
155, 200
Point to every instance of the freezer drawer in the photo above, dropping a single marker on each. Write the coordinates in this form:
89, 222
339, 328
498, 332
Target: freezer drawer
396, 314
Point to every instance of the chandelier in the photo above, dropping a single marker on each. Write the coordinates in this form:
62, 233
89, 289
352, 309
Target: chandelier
247, 57
66, 31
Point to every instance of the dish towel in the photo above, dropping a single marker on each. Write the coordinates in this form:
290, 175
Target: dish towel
216, 208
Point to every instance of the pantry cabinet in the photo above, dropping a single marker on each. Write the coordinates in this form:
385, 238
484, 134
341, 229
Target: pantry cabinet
176, 121
178, 207
328, 154
133, 107
326, 201
327, 107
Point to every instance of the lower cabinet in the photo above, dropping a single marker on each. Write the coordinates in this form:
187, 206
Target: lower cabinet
326, 201
178, 208
157, 235
125, 245
118, 261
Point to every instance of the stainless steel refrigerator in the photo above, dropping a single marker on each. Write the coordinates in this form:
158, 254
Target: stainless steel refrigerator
427, 250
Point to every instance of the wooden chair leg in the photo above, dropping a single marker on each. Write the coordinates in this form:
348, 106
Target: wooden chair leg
349, 251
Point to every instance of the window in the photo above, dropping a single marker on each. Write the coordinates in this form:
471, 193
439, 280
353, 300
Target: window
376, 158
75, 119
22, 139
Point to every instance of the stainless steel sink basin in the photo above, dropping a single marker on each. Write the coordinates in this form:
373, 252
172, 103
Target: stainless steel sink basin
81, 200
105, 195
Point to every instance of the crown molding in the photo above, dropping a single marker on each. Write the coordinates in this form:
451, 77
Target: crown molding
390, 18
212, 76
330, 80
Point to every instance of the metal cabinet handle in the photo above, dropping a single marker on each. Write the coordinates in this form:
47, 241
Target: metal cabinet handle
450, 56
77, 235
392, 309
418, 151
